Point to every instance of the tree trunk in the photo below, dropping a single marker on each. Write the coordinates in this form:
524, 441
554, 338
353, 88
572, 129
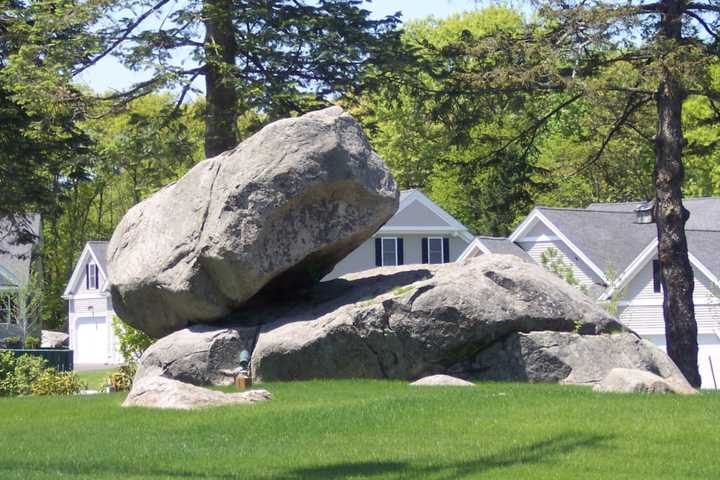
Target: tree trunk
670, 215
221, 97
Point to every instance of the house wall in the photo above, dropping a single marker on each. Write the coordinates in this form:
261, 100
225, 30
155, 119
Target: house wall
708, 357
641, 308
363, 258
96, 304
535, 248
416, 214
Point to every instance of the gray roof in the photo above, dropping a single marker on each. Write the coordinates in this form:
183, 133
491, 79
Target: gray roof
704, 244
99, 248
609, 236
15, 257
611, 239
504, 246
704, 211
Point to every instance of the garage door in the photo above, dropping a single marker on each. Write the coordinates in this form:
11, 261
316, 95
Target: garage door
91, 344
708, 357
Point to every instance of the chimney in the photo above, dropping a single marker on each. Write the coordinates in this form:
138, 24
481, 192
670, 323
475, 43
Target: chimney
644, 212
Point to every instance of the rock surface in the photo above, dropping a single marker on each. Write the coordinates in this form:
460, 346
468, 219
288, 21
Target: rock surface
567, 358
624, 380
441, 381
412, 321
166, 393
51, 339
276, 213
197, 354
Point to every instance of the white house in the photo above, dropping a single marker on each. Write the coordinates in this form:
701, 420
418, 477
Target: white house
613, 256
419, 232
90, 309
18, 261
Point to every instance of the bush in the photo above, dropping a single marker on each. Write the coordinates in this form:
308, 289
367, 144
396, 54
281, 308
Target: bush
7, 370
52, 382
133, 342
28, 369
121, 379
13, 342
31, 342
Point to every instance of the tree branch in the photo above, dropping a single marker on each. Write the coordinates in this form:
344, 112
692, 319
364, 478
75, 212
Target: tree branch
124, 36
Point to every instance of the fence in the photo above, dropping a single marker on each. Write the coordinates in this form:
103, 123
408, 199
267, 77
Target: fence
60, 359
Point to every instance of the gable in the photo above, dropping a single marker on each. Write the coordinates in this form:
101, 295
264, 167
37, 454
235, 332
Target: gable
417, 215
78, 281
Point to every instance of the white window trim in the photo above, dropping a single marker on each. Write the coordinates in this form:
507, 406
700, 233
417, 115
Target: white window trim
442, 249
382, 251
93, 273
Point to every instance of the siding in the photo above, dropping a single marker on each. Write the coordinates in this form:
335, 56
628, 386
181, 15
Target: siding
363, 258
708, 357
648, 319
416, 214
640, 288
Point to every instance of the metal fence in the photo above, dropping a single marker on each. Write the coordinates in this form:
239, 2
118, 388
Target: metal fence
59, 359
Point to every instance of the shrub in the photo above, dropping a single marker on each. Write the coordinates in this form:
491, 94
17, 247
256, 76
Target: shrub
52, 382
7, 371
121, 380
133, 342
28, 369
32, 342
13, 342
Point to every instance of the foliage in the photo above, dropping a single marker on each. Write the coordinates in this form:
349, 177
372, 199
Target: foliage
121, 380
30, 375
28, 369
13, 342
52, 382
370, 429
25, 306
32, 342
133, 342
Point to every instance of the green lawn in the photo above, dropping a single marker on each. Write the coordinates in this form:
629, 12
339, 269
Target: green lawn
370, 429
94, 378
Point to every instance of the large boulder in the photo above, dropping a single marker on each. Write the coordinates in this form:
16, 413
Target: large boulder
197, 354
165, 393
626, 380
273, 215
567, 357
412, 321
441, 381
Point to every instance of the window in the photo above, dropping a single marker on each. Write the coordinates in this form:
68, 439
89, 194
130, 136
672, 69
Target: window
435, 250
7, 308
657, 284
389, 251
91, 277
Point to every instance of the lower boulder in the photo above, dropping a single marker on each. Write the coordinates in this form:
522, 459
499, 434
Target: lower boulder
197, 354
624, 380
413, 321
567, 358
166, 393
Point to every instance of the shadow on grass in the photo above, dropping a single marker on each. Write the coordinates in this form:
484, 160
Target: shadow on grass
535, 453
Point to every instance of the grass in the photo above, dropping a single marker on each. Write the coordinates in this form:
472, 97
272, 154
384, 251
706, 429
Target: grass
369, 429
94, 378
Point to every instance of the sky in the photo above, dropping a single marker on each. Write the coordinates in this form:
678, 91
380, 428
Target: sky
110, 75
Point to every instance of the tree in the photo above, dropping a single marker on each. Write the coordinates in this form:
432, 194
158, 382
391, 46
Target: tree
278, 56
422, 152
637, 54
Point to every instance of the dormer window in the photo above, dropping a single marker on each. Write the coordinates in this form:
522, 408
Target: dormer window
91, 276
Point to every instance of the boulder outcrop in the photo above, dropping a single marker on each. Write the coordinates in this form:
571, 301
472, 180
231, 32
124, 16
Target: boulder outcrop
165, 393
274, 214
197, 354
441, 381
412, 321
566, 357
625, 380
